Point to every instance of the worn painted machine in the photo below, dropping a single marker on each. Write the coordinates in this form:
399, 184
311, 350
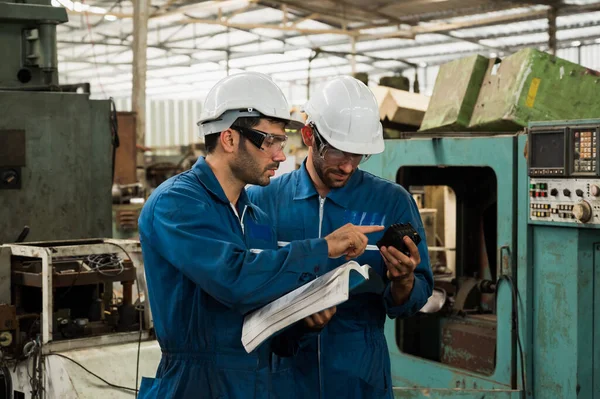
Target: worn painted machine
68, 304
519, 315
68, 298
55, 143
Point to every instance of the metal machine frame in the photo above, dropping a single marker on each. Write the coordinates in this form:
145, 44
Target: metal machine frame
47, 252
551, 262
414, 376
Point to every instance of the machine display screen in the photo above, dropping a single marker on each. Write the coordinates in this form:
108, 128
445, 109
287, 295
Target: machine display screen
548, 150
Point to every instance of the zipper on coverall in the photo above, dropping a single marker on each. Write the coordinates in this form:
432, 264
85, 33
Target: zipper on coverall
240, 219
321, 211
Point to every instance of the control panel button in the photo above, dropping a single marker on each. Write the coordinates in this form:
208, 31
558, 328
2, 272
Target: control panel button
554, 192
567, 192
583, 212
595, 190
579, 192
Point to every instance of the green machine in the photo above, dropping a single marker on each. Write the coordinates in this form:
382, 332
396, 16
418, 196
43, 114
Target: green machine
518, 316
55, 143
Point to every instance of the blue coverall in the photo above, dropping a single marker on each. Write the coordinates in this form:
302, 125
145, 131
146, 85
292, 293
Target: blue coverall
203, 276
350, 358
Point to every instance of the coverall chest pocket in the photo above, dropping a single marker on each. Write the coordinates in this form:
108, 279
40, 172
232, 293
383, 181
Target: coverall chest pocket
289, 234
259, 235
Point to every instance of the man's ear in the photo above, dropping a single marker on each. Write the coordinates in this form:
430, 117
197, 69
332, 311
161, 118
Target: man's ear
228, 139
308, 136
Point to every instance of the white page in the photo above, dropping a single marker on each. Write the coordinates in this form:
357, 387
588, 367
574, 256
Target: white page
322, 293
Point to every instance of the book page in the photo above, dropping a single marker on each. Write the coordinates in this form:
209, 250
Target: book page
320, 294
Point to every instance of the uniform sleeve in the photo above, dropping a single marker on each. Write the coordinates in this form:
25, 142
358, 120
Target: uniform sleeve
423, 285
191, 236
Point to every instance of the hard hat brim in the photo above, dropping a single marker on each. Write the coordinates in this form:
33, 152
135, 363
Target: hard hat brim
376, 147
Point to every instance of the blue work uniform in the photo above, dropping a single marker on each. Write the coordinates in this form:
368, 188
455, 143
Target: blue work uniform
205, 271
350, 358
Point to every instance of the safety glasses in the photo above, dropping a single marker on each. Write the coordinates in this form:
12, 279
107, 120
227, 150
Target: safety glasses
269, 143
333, 155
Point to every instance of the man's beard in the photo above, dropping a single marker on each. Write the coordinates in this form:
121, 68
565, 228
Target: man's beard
247, 169
324, 173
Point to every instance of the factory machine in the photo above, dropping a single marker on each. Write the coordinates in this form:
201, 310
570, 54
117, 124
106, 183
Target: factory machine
68, 300
518, 315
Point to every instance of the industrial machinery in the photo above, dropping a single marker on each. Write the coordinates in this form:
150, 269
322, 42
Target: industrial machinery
55, 144
66, 301
70, 304
518, 314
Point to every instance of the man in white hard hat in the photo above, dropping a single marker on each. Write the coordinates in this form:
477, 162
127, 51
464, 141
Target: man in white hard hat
349, 358
200, 238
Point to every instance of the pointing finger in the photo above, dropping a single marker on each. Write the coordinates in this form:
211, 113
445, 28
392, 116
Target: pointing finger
369, 229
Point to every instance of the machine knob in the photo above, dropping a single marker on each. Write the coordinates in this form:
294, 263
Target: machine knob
582, 212
595, 190
567, 192
9, 177
554, 192
579, 192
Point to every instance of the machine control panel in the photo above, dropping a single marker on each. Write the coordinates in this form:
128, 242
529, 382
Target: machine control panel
564, 151
564, 171
565, 200
585, 151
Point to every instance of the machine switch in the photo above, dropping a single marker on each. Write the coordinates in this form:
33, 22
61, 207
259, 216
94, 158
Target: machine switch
579, 192
554, 192
567, 192
582, 212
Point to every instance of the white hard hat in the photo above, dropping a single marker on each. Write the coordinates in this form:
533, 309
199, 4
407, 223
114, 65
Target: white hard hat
247, 94
346, 114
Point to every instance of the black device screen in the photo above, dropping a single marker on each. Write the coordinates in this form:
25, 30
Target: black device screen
548, 150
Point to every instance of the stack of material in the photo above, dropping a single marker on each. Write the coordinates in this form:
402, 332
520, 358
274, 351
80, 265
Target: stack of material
529, 85
454, 94
401, 107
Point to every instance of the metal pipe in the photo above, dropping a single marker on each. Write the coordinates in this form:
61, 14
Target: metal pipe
552, 13
140, 46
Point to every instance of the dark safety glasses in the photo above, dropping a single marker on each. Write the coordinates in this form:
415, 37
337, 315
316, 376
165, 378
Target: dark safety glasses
269, 143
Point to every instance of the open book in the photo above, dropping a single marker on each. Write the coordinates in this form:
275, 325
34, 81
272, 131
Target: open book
326, 291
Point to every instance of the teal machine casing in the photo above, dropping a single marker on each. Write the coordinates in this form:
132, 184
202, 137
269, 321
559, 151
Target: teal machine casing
548, 263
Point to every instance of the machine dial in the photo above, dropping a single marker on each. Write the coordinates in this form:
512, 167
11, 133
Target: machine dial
582, 211
554, 192
567, 192
595, 190
579, 192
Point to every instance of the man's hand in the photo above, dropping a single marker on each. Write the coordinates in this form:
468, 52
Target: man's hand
349, 240
318, 320
401, 269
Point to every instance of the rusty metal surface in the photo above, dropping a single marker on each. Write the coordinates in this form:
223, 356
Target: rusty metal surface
8, 318
127, 220
76, 247
73, 278
5, 284
470, 343
12, 148
125, 157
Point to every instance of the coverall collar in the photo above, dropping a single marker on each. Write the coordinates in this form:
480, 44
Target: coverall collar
341, 196
208, 179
